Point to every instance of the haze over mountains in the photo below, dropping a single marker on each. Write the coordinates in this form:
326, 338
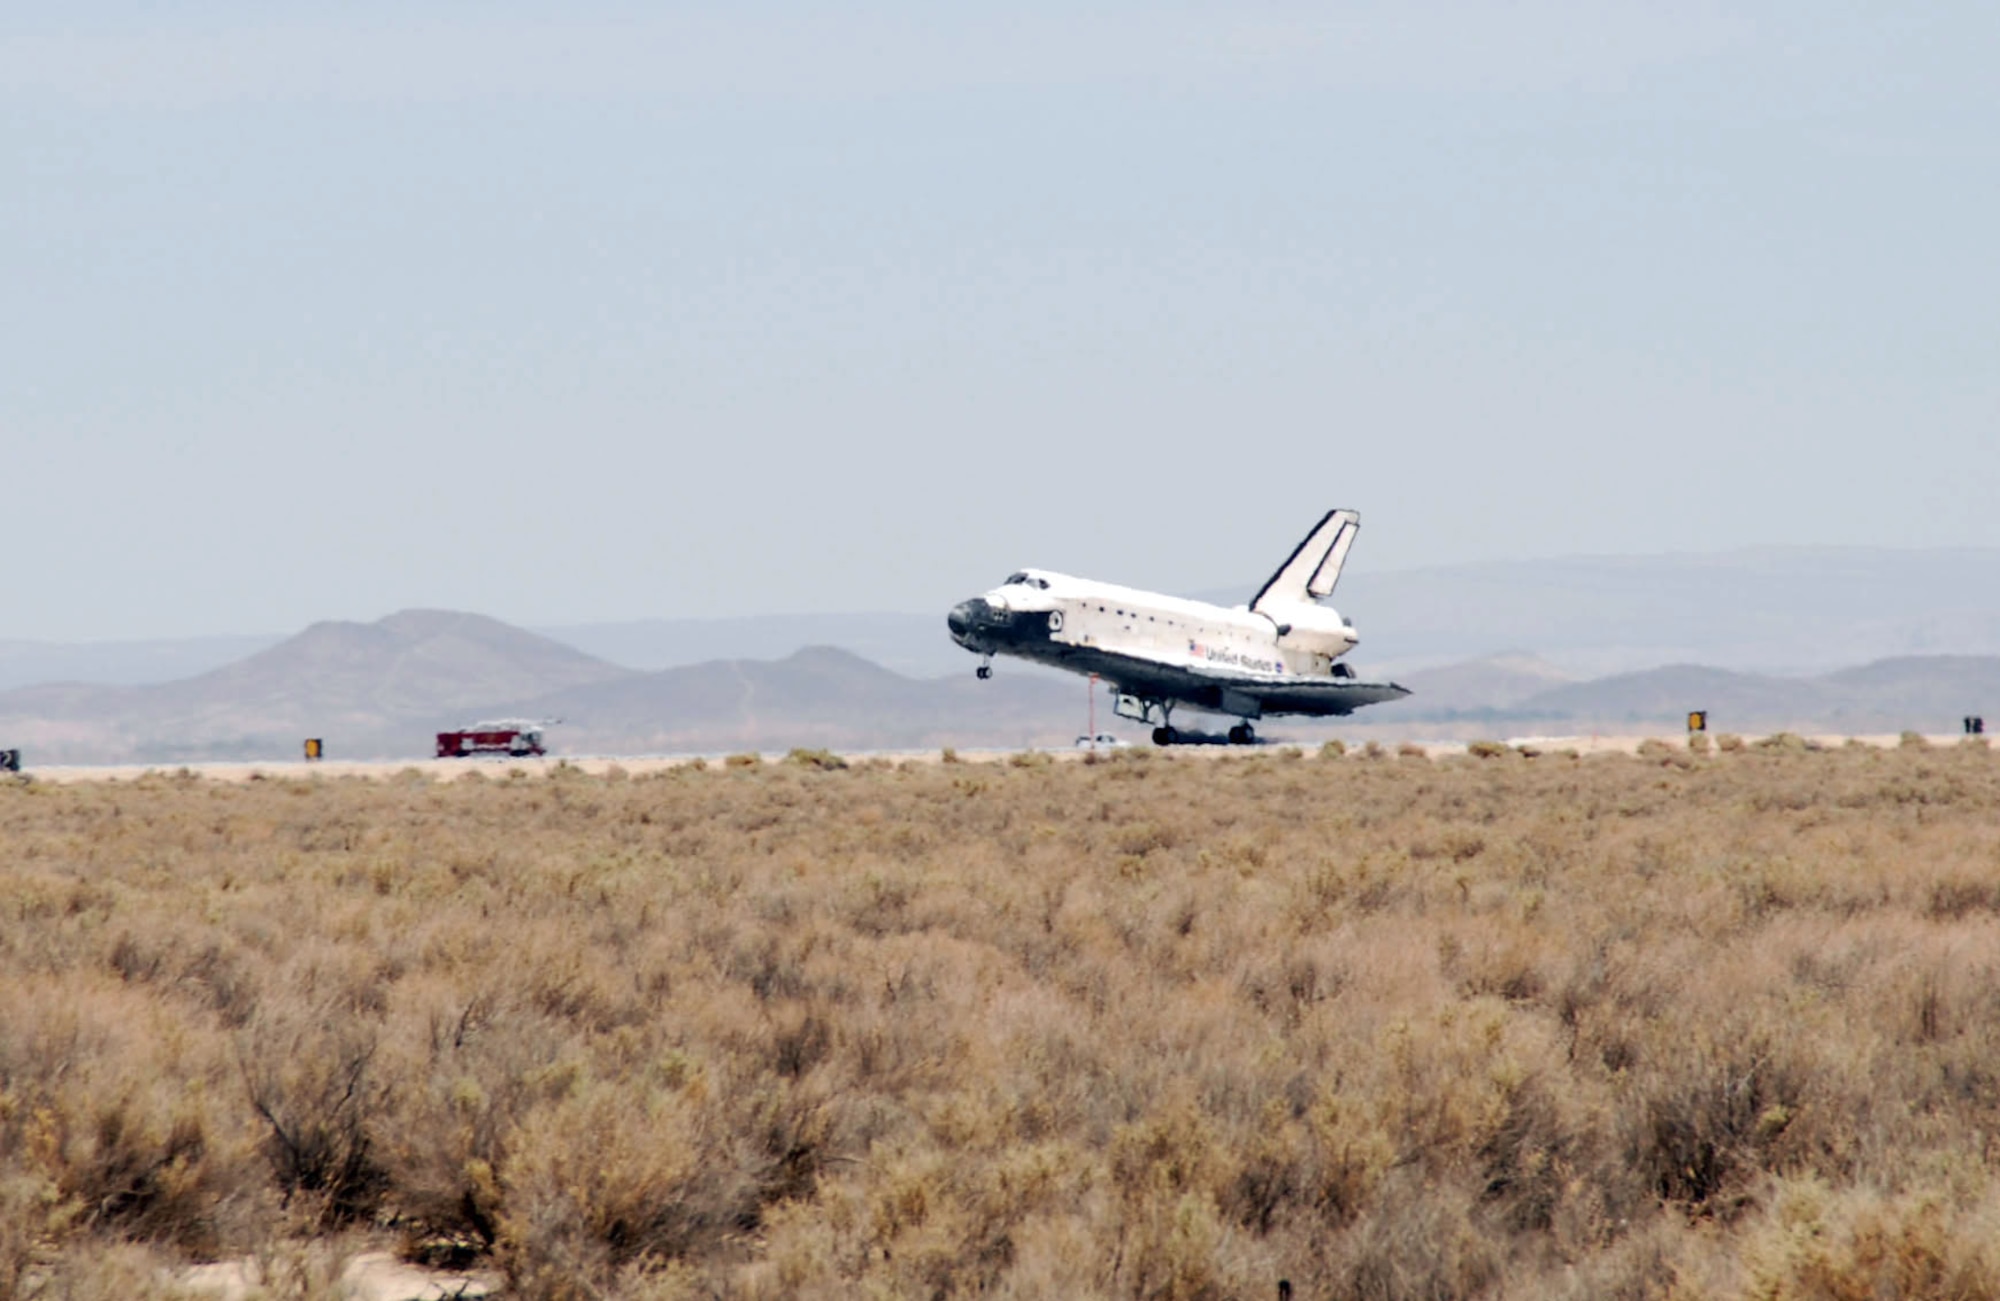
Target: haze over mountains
1927, 693
1555, 646
914, 645
1770, 610
818, 696
122, 663
381, 690
376, 686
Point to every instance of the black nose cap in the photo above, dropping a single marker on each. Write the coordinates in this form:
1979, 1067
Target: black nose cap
966, 616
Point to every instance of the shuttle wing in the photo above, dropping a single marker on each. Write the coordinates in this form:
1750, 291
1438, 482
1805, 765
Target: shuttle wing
1314, 567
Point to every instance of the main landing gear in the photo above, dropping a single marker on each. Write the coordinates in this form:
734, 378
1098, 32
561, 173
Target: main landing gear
1241, 734
1151, 709
985, 669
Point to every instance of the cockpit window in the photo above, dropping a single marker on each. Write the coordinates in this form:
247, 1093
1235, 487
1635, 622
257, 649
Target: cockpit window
1024, 580
1015, 578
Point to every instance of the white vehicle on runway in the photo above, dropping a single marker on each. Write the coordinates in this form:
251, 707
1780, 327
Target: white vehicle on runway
1277, 655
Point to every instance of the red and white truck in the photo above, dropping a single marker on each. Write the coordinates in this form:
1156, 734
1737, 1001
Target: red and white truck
518, 737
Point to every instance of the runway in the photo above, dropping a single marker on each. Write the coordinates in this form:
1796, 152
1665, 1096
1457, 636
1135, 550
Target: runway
502, 768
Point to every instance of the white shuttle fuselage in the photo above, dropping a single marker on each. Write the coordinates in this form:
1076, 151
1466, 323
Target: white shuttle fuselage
1277, 655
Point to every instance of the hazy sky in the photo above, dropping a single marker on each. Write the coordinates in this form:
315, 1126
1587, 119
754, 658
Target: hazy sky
607, 311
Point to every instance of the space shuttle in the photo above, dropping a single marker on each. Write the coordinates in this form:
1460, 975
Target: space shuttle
1278, 655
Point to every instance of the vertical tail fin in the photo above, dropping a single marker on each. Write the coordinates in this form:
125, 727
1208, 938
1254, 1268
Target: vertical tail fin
1314, 566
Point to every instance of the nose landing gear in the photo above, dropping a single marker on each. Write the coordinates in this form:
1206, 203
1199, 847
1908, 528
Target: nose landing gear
985, 669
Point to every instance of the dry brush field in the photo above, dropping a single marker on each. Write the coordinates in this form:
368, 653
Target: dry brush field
1161, 1026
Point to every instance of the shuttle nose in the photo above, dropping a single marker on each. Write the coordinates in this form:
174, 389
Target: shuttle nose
965, 617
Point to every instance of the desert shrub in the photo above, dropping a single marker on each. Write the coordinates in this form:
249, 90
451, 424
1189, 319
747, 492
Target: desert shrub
820, 760
1698, 742
600, 1177
1415, 1242
310, 1082
1824, 1245
948, 755
745, 760
1665, 754
1729, 743
1411, 750
1485, 749
95, 1139
1333, 749
1163, 1168
137, 1173
1957, 896
1781, 743
1710, 1117
1028, 759
1913, 741
468, 1068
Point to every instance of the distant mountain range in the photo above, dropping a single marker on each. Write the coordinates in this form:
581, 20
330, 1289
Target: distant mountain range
381, 690
377, 687
818, 696
1927, 693
1783, 610
914, 645
1612, 644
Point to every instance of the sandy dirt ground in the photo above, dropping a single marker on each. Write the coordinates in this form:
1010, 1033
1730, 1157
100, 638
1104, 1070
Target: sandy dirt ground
372, 1276
598, 765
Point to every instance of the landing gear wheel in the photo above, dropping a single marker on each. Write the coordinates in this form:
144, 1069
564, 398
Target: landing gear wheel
983, 672
1242, 735
1164, 736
